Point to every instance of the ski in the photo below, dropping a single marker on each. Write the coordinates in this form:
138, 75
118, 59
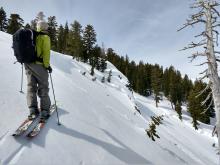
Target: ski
23, 127
36, 130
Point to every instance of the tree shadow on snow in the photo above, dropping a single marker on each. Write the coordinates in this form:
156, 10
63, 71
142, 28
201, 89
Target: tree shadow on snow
123, 153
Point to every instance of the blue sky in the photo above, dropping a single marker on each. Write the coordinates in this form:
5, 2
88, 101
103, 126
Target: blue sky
143, 29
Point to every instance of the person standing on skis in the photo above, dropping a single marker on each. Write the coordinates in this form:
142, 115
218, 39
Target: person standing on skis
37, 75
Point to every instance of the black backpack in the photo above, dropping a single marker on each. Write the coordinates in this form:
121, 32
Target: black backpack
24, 43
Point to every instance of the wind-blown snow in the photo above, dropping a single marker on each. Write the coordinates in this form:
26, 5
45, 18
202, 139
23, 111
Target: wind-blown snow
100, 125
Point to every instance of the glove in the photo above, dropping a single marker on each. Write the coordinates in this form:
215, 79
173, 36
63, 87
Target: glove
49, 69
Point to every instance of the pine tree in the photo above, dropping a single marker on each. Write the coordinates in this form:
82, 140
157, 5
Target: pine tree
60, 37
175, 88
89, 39
66, 38
187, 86
3, 20
92, 70
156, 82
109, 76
15, 23
96, 55
103, 79
178, 109
52, 31
195, 106
28, 26
75, 44
103, 64
166, 82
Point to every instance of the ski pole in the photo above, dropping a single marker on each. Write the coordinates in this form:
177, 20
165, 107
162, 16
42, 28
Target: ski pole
22, 71
58, 121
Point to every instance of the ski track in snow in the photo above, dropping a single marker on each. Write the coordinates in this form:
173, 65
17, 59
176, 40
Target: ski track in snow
15, 156
3, 138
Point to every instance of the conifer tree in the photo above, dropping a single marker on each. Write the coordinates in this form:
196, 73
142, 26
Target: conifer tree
103, 79
96, 55
66, 38
52, 31
3, 20
103, 64
92, 70
126, 65
187, 86
195, 107
178, 109
60, 37
75, 44
15, 23
28, 26
109, 76
156, 82
166, 82
89, 39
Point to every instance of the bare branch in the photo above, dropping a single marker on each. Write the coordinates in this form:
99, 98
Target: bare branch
214, 4
195, 55
193, 45
205, 71
197, 15
215, 11
210, 104
198, 5
201, 34
191, 23
204, 90
216, 25
207, 98
203, 63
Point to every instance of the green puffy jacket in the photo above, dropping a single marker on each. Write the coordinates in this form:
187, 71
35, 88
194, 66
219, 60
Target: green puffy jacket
43, 49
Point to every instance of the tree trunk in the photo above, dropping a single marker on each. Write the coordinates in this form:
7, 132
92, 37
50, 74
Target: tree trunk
213, 70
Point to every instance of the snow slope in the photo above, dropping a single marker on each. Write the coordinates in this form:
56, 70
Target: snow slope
100, 125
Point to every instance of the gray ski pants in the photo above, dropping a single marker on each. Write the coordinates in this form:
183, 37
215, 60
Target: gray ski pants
37, 84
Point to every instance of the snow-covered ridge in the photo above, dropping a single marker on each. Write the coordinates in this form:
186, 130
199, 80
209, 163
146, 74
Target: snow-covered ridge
99, 122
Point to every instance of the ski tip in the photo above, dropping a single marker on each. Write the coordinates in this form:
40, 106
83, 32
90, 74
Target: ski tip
15, 135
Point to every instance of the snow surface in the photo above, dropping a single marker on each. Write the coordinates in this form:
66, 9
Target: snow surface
100, 125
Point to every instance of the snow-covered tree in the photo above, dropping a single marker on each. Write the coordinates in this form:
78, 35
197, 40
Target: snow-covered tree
208, 17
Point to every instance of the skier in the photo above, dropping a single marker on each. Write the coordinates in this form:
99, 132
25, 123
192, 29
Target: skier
37, 75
